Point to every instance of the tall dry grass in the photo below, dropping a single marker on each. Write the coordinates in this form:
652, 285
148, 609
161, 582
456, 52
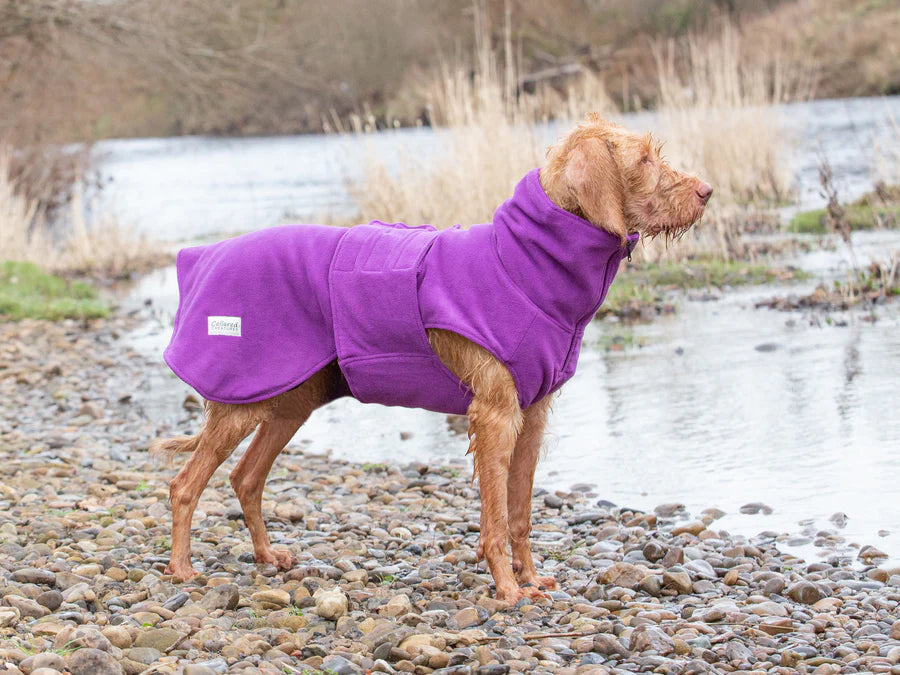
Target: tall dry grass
96, 246
887, 152
17, 212
717, 112
487, 139
719, 116
716, 117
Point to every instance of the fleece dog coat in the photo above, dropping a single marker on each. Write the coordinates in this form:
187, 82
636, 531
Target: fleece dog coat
260, 313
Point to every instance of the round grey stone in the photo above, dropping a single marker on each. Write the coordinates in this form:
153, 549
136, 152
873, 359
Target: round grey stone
93, 662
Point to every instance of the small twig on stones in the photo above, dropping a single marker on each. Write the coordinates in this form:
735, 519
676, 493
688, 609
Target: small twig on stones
576, 634
538, 636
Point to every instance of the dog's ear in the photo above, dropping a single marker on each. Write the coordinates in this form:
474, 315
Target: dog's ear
595, 179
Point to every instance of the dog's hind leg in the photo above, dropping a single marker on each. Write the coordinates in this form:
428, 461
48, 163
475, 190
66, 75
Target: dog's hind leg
249, 477
225, 426
290, 410
519, 488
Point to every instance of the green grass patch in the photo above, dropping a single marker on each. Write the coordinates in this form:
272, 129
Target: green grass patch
645, 285
859, 217
619, 341
873, 210
703, 273
28, 292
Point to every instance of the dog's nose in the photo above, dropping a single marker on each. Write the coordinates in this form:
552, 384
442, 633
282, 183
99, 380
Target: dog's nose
704, 191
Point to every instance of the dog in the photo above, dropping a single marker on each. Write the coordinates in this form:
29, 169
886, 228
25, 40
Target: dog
485, 321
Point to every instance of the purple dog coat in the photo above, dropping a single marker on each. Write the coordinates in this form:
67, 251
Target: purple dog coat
261, 313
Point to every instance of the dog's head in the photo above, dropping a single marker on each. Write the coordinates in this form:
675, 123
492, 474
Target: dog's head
618, 181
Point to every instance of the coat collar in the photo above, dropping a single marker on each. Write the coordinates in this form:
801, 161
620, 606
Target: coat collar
562, 262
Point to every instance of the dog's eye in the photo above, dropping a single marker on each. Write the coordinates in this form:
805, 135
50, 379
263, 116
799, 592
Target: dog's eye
646, 160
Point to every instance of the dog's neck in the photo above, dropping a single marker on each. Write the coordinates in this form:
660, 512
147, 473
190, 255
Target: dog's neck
559, 191
562, 261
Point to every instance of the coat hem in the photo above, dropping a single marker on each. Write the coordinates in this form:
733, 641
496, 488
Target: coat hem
276, 391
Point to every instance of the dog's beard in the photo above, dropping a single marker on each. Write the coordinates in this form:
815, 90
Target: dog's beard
669, 233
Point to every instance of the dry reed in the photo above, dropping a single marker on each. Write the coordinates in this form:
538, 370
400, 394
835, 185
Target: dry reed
721, 118
98, 247
717, 115
887, 152
488, 140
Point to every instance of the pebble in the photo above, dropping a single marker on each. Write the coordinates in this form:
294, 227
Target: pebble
33, 575
161, 639
43, 660
396, 606
647, 637
553, 502
804, 592
331, 604
680, 582
225, 596
93, 662
272, 598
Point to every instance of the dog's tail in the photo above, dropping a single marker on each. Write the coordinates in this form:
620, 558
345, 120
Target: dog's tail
166, 448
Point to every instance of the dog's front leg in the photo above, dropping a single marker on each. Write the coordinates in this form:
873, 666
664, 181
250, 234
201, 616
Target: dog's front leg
521, 480
493, 427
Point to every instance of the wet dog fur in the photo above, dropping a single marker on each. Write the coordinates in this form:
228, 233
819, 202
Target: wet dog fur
614, 179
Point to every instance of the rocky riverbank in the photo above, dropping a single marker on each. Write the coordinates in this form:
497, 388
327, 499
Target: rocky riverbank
386, 579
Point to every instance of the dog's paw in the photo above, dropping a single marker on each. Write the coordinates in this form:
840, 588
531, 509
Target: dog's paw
545, 583
514, 594
183, 572
281, 558
534, 593
548, 583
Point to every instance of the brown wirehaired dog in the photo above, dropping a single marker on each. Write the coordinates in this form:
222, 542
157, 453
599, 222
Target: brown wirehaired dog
600, 172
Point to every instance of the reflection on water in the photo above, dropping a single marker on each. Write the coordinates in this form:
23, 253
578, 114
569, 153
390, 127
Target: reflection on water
700, 416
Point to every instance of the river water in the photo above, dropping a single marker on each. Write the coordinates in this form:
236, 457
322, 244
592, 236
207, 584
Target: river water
718, 405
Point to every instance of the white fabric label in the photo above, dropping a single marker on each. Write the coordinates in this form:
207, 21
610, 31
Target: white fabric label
224, 325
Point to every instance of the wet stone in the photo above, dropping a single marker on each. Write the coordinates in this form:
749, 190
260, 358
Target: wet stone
654, 551
553, 502
804, 592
